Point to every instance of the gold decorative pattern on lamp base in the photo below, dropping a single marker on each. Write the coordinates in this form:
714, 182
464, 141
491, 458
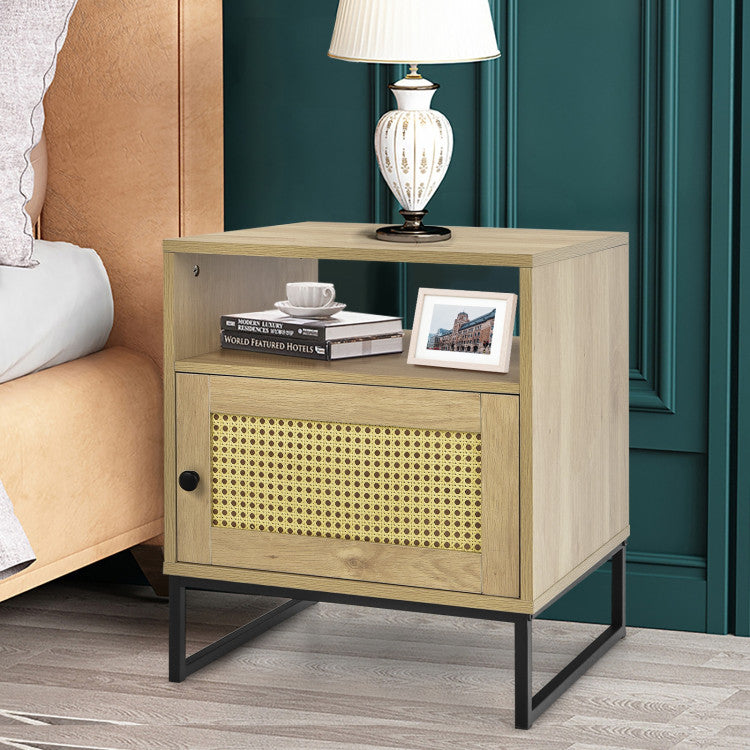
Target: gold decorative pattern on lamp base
389, 485
413, 146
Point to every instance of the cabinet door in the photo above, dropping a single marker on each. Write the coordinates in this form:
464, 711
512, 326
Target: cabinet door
391, 485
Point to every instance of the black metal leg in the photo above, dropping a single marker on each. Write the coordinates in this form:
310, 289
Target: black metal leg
180, 665
530, 706
618, 590
523, 672
177, 666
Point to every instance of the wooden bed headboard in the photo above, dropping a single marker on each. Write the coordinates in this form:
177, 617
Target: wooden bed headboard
134, 124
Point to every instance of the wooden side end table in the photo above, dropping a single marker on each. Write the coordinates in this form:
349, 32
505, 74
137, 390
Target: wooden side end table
374, 482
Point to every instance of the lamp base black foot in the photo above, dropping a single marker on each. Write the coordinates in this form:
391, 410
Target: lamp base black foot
413, 230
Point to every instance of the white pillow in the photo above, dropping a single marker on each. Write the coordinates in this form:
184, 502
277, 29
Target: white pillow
32, 33
58, 312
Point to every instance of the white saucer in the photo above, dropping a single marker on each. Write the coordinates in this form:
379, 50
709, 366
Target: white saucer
309, 312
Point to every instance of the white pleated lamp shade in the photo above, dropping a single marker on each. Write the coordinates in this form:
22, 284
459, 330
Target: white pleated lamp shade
414, 31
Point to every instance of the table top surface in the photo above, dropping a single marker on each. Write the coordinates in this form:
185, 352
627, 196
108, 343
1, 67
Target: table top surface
483, 246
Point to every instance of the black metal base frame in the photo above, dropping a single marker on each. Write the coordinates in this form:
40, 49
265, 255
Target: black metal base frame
528, 707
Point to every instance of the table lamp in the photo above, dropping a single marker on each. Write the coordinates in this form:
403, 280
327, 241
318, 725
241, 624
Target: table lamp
413, 143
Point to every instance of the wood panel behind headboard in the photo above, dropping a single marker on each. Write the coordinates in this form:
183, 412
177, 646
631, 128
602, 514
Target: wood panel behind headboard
134, 122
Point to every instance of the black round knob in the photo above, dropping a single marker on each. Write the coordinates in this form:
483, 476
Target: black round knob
189, 480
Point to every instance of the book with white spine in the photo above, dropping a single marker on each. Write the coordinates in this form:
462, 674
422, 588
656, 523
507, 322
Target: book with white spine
343, 325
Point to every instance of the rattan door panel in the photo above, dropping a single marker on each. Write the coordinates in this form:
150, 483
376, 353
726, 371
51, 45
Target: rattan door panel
388, 488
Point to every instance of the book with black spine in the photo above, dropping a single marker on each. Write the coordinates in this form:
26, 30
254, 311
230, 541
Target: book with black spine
343, 325
363, 346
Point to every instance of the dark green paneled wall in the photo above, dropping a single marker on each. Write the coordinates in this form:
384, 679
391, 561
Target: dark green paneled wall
601, 114
281, 164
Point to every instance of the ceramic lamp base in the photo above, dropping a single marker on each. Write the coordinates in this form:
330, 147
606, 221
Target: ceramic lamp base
412, 230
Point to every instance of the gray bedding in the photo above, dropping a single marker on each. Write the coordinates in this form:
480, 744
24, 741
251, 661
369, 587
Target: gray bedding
15, 550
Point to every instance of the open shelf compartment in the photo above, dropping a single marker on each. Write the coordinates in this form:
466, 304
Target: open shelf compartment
383, 369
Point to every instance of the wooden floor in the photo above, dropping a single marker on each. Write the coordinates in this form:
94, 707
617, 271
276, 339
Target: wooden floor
86, 666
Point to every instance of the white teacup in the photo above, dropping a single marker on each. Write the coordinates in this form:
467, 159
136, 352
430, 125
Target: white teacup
310, 294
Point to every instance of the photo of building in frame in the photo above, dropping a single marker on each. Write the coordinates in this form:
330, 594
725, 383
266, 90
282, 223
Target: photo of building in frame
467, 335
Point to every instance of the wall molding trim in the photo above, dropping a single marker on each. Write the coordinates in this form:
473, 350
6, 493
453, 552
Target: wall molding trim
652, 381
492, 145
380, 207
741, 428
657, 598
663, 558
511, 115
720, 369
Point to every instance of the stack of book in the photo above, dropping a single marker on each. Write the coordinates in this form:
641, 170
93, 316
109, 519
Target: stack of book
347, 334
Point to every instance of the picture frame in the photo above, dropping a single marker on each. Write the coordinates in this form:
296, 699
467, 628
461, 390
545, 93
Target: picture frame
463, 329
